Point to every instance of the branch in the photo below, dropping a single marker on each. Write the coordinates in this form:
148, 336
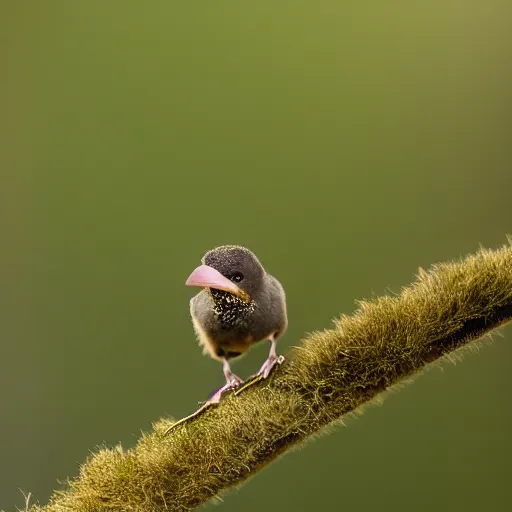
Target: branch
331, 374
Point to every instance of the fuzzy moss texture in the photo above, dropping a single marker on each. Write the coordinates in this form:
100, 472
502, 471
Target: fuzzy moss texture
332, 373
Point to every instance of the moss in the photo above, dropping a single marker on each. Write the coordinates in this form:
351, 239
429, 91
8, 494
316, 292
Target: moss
332, 373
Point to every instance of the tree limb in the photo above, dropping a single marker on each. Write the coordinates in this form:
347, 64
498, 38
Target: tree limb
330, 374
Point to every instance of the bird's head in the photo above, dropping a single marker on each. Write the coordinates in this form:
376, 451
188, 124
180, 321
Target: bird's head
230, 268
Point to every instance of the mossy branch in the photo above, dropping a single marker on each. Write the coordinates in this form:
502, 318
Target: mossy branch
331, 374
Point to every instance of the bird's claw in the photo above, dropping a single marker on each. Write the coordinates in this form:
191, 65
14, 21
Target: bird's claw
213, 400
232, 384
264, 372
269, 365
237, 384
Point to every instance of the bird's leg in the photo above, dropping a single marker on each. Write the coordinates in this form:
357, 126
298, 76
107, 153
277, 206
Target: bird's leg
232, 381
265, 370
271, 361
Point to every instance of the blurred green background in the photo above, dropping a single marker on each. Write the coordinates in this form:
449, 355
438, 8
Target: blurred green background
345, 145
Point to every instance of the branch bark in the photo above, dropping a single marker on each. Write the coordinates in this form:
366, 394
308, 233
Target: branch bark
330, 374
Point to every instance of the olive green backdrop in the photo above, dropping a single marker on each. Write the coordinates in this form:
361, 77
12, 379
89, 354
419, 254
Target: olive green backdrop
344, 145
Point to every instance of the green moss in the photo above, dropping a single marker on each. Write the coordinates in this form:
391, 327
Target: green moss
333, 373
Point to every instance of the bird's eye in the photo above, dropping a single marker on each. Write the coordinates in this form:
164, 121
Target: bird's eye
236, 277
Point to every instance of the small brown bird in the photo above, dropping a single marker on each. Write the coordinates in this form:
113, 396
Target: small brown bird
240, 305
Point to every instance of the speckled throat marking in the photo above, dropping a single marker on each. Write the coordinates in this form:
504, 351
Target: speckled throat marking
231, 310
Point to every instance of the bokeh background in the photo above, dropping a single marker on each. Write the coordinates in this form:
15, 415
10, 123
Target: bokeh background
344, 144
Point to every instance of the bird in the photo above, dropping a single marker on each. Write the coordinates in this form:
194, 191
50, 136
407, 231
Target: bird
240, 304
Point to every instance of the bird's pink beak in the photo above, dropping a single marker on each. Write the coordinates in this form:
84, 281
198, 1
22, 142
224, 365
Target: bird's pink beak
207, 277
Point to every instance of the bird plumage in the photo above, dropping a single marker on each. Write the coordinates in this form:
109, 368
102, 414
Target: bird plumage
240, 305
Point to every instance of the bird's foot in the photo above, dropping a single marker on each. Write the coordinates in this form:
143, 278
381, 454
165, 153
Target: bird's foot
268, 366
264, 372
232, 384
